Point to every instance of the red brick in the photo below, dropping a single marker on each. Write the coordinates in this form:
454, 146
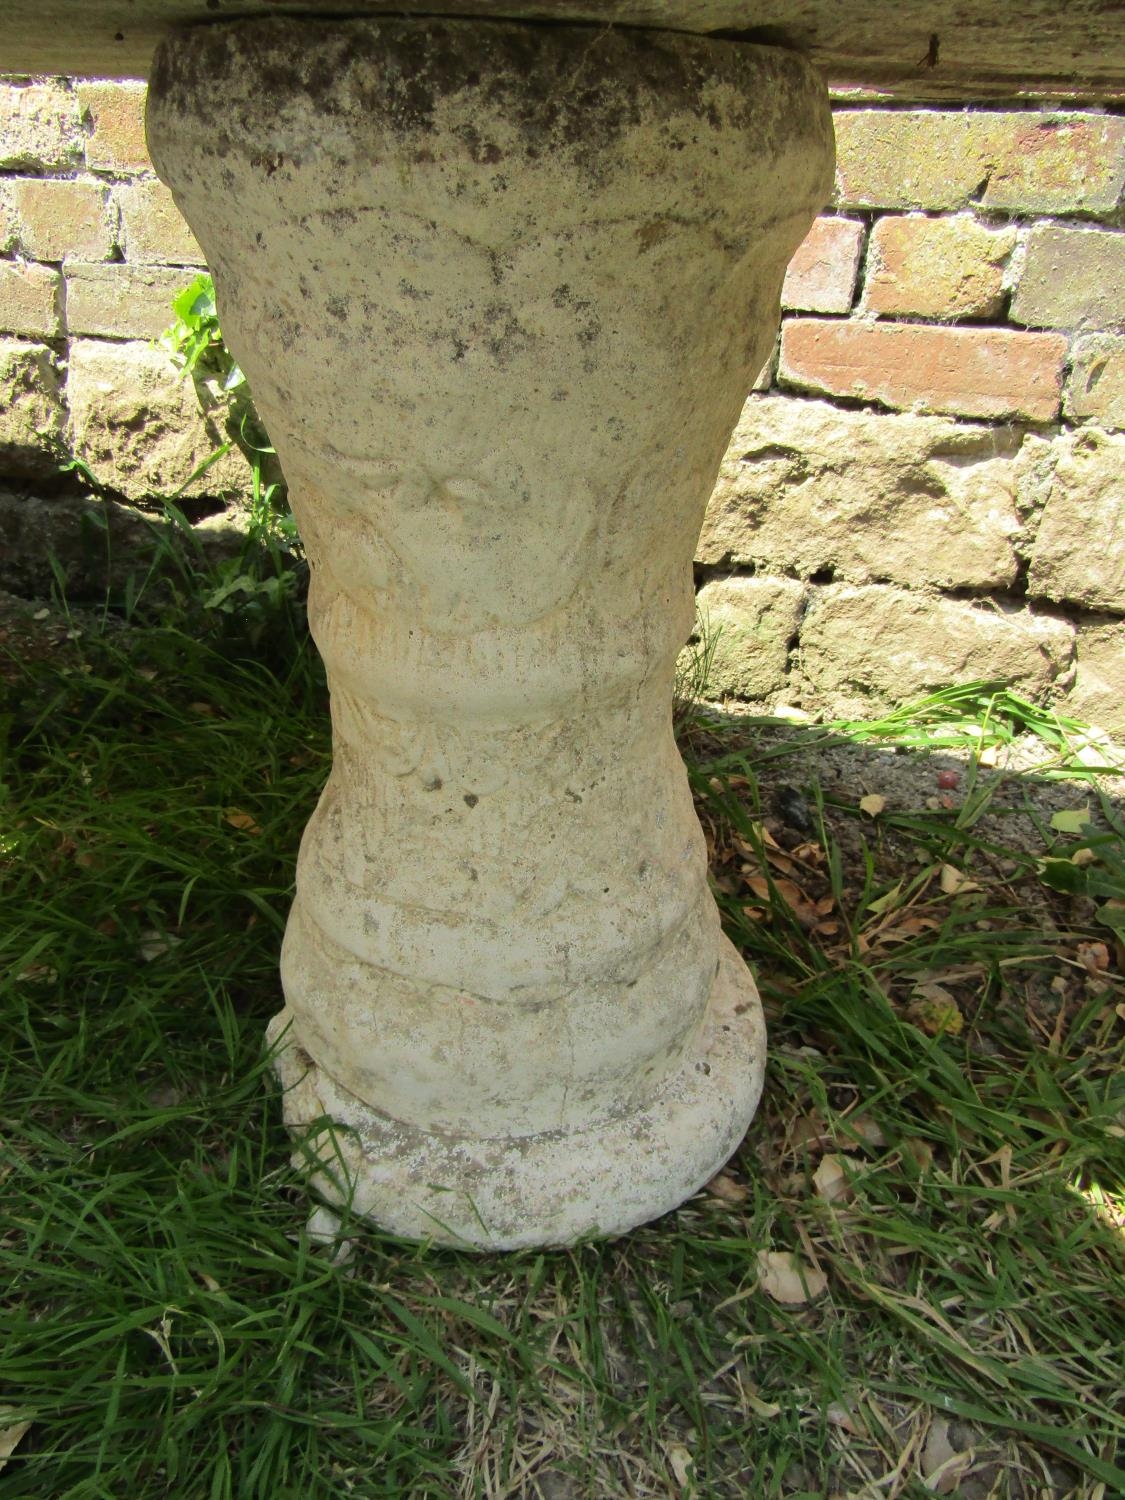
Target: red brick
972, 372
57, 220
122, 302
1060, 164
115, 116
936, 268
1020, 161
1072, 278
155, 230
39, 127
916, 158
29, 299
821, 276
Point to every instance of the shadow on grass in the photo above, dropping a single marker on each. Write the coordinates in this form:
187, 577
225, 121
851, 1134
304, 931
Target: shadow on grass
939, 1149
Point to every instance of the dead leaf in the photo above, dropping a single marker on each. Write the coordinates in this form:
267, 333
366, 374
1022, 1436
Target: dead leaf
840, 1415
886, 901
864, 1129
830, 1179
155, 944
724, 1186
1071, 819
788, 1279
1094, 957
789, 892
682, 1464
239, 819
954, 881
918, 1151
10, 1434
935, 1011
942, 1464
872, 804
38, 974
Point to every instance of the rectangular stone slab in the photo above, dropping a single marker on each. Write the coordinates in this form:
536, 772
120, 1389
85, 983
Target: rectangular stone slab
913, 49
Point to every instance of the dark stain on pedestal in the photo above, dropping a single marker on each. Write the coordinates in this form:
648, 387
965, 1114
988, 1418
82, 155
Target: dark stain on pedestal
577, 95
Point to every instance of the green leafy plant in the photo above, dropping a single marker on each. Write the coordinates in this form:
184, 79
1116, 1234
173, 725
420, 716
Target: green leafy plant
195, 342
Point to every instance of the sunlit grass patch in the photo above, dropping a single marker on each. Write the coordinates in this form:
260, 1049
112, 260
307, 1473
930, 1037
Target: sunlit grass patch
934, 1181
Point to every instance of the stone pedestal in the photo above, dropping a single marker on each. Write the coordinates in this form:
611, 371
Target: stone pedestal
500, 291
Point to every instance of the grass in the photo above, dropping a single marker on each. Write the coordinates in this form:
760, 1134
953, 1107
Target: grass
942, 1143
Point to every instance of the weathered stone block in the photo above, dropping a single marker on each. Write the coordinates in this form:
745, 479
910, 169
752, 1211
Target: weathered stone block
1072, 278
749, 625
1096, 387
60, 220
1098, 694
936, 268
115, 119
121, 301
943, 159
1078, 555
865, 648
821, 276
972, 372
29, 299
154, 229
807, 488
136, 422
39, 127
31, 410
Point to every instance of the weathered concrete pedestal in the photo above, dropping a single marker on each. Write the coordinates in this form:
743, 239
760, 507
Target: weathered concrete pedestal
500, 291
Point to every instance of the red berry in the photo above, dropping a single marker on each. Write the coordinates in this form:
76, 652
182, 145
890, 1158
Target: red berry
947, 780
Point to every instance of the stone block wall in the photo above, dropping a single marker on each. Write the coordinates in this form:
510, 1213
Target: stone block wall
926, 486
92, 251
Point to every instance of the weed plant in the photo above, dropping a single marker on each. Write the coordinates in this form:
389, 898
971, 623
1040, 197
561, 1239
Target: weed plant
945, 1192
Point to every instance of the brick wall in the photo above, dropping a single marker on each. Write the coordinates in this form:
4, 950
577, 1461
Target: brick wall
927, 485
92, 251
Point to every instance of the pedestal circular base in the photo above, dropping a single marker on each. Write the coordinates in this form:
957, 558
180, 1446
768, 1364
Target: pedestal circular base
550, 1189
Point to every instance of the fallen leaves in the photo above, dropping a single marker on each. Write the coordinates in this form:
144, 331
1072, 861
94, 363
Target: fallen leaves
789, 1279
11, 1433
935, 1011
238, 818
724, 1187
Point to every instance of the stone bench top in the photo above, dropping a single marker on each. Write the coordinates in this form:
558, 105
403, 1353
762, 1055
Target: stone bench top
913, 49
